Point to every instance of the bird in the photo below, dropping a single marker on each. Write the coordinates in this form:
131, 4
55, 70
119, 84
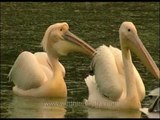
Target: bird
116, 84
41, 74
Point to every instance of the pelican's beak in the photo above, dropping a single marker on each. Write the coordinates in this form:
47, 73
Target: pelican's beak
77, 45
139, 49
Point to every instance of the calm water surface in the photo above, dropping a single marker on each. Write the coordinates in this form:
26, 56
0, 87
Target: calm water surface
23, 26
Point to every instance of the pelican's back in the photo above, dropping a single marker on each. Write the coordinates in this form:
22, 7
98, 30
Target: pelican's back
106, 73
26, 72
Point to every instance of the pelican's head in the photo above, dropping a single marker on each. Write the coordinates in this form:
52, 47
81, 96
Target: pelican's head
129, 39
59, 41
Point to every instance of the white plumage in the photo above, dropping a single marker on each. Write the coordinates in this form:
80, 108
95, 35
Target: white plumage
116, 83
109, 74
41, 74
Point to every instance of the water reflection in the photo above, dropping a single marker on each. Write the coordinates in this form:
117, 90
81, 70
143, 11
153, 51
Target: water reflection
27, 107
102, 113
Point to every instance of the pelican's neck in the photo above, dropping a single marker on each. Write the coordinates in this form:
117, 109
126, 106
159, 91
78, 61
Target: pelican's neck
56, 67
57, 84
132, 94
129, 73
54, 60
128, 68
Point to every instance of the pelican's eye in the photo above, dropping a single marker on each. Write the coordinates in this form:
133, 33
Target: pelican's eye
129, 30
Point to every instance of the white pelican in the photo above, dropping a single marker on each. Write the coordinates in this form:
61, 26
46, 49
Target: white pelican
117, 84
41, 74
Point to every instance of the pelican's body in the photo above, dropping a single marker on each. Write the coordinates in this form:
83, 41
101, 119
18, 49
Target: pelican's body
117, 84
110, 69
32, 74
41, 74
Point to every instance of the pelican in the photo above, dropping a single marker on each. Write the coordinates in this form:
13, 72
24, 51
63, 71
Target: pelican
116, 84
41, 74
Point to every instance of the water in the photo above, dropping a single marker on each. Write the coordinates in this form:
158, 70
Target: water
23, 26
